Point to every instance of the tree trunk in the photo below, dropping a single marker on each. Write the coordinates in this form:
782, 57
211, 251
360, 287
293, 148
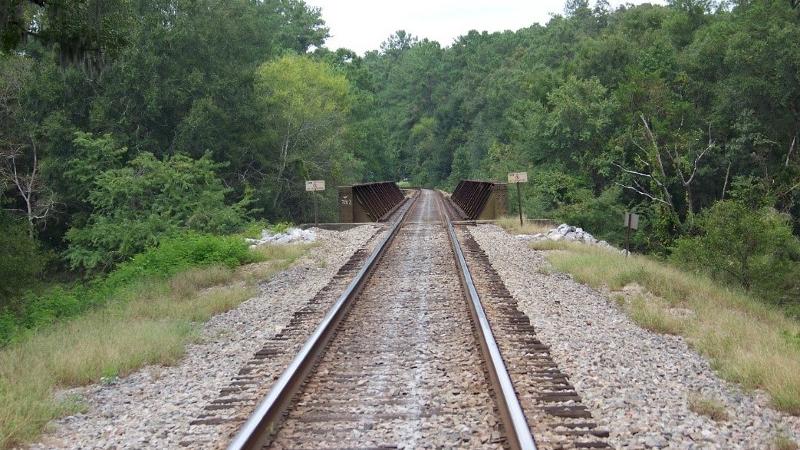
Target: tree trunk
725, 185
281, 168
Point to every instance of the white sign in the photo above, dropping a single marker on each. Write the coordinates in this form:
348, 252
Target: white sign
632, 221
518, 177
315, 185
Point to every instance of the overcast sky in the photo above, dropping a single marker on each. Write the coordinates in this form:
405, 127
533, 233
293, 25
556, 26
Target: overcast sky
362, 25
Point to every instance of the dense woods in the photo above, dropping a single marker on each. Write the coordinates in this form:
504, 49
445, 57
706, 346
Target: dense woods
123, 123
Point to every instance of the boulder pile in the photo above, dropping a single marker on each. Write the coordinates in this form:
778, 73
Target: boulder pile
290, 236
565, 232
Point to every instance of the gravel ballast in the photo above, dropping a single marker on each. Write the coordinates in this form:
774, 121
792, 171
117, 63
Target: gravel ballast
637, 383
152, 407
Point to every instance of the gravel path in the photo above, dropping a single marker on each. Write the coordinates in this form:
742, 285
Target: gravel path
152, 407
637, 383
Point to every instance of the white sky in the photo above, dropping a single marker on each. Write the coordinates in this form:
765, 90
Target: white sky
362, 25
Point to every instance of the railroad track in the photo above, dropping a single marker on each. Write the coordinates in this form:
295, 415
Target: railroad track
401, 360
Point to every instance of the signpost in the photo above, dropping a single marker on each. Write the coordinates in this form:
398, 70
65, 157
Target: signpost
631, 223
313, 186
518, 177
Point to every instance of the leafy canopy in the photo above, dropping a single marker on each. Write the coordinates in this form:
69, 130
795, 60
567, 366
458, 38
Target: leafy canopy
137, 205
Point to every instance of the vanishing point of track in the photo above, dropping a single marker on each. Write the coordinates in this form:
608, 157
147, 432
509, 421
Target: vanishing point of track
401, 360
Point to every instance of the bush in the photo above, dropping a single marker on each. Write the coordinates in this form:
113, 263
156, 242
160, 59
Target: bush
753, 248
549, 190
173, 255
601, 216
138, 205
179, 253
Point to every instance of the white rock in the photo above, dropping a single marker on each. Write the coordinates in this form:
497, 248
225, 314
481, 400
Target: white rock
291, 235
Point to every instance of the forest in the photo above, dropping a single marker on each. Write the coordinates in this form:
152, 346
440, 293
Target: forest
126, 123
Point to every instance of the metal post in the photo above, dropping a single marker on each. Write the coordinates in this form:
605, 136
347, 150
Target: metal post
628, 238
519, 201
315, 208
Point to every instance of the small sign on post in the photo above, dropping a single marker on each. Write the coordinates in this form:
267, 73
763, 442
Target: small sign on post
631, 222
313, 186
517, 178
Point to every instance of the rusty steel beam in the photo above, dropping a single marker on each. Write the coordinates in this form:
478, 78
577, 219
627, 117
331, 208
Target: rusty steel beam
480, 199
371, 202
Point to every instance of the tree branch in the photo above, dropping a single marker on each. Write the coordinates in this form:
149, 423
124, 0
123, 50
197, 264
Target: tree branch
644, 193
697, 163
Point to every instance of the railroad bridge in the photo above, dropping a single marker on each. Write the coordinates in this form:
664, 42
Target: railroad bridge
375, 202
398, 351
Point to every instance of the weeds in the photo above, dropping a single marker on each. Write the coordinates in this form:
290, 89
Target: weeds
709, 407
652, 316
511, 224
149, 321
747, 341
784, 442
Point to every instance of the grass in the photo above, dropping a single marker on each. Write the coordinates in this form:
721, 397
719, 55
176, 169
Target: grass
511, 224
784, 442
148, 322
709, 407
747, 341
652, 316
59, 302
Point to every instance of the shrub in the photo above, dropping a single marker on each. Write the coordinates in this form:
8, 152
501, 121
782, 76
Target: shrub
138, 205
280, 227
600, 215
549, 190
21, 261
753, 248
178, 253
172, 256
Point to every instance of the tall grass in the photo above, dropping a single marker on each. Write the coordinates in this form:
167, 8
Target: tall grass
511, 224
149, 320
747, 341
173, 255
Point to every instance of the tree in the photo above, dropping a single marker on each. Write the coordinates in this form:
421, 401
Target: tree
662, 163
305, 106
135, 206
84, 32
20, 163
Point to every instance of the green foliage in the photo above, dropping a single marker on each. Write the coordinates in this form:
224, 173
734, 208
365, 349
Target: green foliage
602, 215
91, 157
304, 104
178, 253
753, 248
21, 263
135, 206
280, 227
670, 103
550, 190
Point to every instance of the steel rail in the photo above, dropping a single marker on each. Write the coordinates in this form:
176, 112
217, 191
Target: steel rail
518, 433
263, 422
